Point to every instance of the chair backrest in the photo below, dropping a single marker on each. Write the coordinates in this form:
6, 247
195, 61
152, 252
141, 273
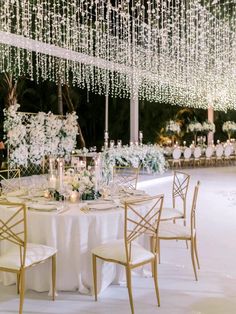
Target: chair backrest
193, 209
197, 152
176, 153
209, 152
13, 227
228, 150
10, 180
126, 176
219, 150
142, 216
180, 188
187, 153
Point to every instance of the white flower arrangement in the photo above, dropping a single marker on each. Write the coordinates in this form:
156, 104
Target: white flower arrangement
31, 137
83, 181
208, 126
173, 127
229, 126
194, 127
150, 157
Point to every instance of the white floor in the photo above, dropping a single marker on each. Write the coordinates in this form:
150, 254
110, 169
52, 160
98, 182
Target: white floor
215, 292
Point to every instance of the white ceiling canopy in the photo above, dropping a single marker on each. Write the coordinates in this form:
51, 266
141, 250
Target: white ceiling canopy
177, 51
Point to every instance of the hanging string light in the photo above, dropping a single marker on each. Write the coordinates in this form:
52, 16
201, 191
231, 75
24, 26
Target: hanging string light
177, 51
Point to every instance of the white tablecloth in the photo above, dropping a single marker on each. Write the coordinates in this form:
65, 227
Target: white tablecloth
74, 233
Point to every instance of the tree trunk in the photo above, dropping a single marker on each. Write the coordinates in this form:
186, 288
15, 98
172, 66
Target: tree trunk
59, 98
71, 108
11, 97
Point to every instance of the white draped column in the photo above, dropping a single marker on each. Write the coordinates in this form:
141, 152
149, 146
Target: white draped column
134, 108
134, 117
210, 119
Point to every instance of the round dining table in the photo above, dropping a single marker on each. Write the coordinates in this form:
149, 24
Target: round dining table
74, 233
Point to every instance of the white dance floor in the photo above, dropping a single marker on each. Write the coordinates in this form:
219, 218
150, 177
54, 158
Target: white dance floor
214, 293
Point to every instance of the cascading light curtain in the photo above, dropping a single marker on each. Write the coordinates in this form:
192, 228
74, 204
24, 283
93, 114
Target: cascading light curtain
177, 51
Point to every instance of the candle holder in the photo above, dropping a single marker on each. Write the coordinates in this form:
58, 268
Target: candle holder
119, 143
52, 165
60, 165
141, 137
112, 143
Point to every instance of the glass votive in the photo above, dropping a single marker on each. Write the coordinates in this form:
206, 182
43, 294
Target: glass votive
46, 194
73, 196
112, 143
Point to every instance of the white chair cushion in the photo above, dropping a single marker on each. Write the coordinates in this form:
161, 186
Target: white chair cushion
35, 254
187, 153
170, 230
176, 153
171, 213
115, 250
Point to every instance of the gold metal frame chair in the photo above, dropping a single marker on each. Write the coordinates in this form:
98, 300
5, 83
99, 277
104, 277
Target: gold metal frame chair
6, 176
170, 231
22, 254
141, 217
179, 190
126, 176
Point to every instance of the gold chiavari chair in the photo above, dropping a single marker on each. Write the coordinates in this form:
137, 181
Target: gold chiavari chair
126, 176
170, 231
179, 192
21, 254
141, 216
10, 179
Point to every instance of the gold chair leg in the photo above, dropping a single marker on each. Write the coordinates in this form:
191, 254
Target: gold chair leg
186, 240
94, 258
156, 280
128, 278
22, 290
18, 283
152, 250
53, 276
196, 252
159, 250
193, 259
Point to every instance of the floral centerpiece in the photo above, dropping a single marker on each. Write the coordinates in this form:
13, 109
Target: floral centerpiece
195, 127
208, 126
173, 127
83, 182
150, 157
229, 127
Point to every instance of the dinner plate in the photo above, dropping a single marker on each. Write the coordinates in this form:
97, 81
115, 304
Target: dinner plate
14, 199
102, 206
133, 192
20, 192
42, 207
